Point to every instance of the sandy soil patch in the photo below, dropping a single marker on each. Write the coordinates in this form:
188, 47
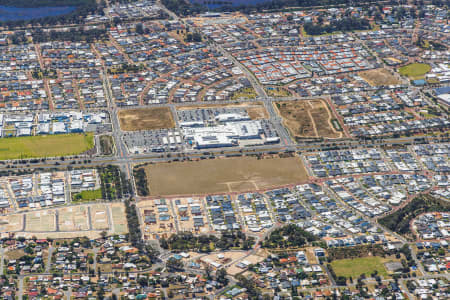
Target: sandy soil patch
257, 112
307, 118
146, 119
41, 221
99, 217
11, 223
252, 259
378, 77
119, 220
73, 218
223, 175
73, 221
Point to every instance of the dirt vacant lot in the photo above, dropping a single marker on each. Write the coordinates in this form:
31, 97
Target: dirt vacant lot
257, 112
68, 222
307, 118
223, 175
379, 77
11, 223
73, 218
41, 221
146, 119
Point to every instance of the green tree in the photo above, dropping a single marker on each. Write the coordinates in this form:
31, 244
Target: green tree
221, 276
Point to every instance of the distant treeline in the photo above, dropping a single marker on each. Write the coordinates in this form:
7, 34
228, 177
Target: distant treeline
346, 24
217, 2
183, 7
73, 35
280, 4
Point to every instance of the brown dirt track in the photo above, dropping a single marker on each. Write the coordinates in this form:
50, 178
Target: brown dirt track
307, 118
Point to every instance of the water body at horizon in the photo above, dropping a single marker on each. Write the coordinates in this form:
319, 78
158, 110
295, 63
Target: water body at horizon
9, 13
211, 4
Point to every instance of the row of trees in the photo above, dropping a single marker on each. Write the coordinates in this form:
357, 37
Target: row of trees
73, 35
140, 178
134, 229
355, 252
127, 68
346, 24
183, 7
206, 243
193, 37
280, 4
399, 220
340, 280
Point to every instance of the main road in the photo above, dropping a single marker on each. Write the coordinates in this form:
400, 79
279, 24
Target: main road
124, 158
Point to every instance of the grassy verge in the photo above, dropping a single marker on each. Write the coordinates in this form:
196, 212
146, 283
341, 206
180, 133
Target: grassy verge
45, 146
415, 71
357, 266
86, 196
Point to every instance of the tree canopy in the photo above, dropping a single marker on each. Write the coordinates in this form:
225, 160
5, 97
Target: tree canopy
289, 236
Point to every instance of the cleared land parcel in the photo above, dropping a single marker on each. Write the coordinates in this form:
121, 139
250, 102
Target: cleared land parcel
307, 118
68, 222
223, 175
146, 119
379, 77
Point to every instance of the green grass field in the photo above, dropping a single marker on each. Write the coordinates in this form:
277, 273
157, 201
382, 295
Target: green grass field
45, 146
357, 266
415, 71
87, 196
